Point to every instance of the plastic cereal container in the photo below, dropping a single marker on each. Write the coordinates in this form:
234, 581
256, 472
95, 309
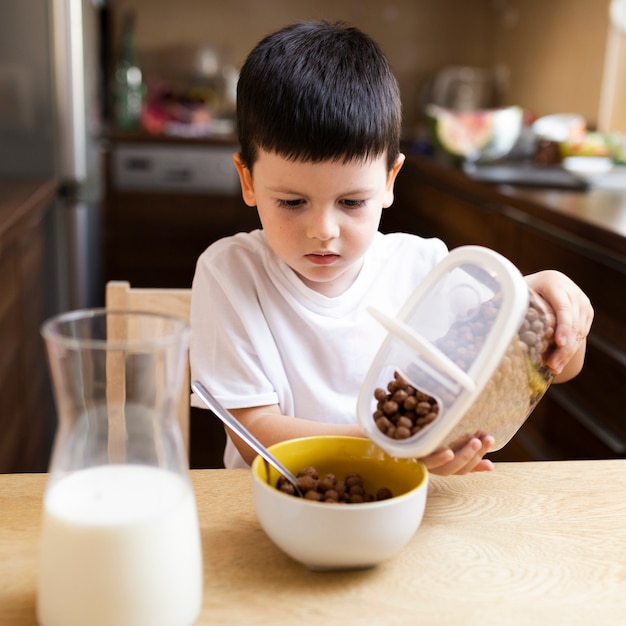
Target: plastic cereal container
465, 355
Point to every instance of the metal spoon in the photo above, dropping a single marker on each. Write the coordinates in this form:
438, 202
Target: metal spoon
243, 432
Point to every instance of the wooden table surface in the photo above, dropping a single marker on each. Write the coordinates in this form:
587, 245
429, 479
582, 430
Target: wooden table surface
530, 543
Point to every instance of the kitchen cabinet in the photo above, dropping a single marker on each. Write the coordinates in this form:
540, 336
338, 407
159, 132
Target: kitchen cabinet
166, 200
579, 233
26, 407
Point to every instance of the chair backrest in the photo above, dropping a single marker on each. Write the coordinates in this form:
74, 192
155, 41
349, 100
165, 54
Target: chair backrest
176, 302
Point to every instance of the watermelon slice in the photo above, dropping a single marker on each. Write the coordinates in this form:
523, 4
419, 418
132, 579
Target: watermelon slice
484, 134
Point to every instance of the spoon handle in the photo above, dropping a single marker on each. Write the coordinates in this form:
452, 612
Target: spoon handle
243, 432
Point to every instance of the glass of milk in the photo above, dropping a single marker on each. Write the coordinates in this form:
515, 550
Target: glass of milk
120, 543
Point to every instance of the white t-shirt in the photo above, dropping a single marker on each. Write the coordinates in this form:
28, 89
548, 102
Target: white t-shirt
260, 336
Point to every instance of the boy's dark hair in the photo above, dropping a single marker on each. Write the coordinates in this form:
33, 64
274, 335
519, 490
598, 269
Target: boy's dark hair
316, 91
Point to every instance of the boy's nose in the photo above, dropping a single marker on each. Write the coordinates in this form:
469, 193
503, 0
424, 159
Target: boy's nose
323, 225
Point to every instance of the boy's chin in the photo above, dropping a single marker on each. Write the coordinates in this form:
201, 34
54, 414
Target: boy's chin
329, 285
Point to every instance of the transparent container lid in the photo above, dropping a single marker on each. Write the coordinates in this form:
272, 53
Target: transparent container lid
442, 350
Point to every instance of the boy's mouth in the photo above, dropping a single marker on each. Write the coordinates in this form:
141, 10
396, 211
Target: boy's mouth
322, 258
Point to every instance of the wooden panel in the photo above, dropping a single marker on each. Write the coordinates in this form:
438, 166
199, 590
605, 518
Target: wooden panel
453, 218
584, 417
589, 410
8, 307
575, 438
596, 397
601, 278
11, 407
26, 411
14, 421
34, 386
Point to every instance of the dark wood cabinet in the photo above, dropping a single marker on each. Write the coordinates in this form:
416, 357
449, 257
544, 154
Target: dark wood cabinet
543, 229
26, 409
154, 234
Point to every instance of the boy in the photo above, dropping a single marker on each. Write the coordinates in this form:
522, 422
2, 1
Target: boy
280, 331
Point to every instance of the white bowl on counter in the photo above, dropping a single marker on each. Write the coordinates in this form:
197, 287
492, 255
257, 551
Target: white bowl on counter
587, 166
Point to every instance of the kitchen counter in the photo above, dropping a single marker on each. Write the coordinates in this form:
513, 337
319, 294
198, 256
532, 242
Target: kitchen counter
530, 543
596, 215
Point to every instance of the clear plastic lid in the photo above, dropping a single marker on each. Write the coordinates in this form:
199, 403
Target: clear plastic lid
441, 350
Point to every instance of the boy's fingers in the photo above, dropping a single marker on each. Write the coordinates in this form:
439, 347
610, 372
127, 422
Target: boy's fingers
463, 460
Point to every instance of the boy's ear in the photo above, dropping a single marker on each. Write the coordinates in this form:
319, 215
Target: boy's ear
245, 178
391, 179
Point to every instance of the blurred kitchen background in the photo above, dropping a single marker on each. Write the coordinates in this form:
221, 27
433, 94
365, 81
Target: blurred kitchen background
547, 56
62, 101
117, 130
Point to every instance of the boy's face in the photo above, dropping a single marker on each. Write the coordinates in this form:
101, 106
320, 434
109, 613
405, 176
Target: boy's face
319, 218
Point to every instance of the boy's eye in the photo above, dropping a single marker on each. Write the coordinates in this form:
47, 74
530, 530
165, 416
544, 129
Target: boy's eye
353, 203
297, 203
289, 204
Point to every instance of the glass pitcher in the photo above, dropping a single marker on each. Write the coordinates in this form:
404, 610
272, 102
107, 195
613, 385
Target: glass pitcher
120, 542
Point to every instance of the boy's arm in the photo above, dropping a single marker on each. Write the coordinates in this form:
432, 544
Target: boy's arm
269, 426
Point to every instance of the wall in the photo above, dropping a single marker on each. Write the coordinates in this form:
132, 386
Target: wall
552, 51
612, 114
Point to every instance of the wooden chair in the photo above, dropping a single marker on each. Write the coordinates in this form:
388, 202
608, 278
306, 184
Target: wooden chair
176, 302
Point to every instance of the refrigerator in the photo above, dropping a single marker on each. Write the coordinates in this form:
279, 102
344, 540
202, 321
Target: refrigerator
52, 65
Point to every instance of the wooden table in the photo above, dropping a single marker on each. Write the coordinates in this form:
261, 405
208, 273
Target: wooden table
530, 543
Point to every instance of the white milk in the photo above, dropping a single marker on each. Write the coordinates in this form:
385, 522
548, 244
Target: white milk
120, 547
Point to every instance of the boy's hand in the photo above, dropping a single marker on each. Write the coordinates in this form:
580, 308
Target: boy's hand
461, 457
574, 315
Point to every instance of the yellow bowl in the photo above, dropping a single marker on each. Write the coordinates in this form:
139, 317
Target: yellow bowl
326, 536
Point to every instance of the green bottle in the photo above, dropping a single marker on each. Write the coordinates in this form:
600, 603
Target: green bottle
129, 86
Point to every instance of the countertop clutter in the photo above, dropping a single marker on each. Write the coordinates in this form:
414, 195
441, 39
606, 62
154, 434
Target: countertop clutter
530, 543
582, 234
